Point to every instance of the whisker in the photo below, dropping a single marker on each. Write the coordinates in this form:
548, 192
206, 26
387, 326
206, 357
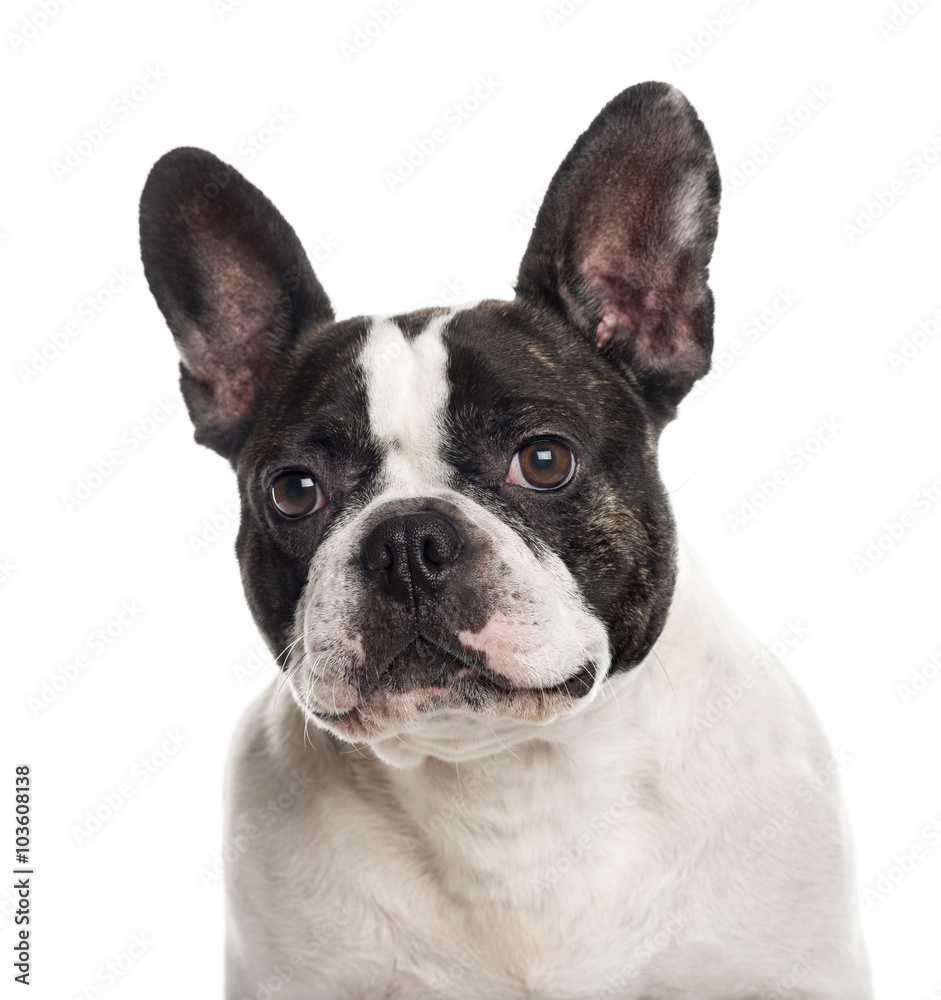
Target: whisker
696, 473
502, 744
665, 674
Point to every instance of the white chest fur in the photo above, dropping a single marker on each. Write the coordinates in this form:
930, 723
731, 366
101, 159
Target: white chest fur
617, 853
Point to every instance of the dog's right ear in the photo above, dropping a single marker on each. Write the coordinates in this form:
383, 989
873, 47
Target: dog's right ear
233, 283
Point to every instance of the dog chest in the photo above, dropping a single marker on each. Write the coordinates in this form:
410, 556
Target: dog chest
512, 876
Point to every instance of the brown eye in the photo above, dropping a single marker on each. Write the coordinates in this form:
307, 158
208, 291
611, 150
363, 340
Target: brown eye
296, 494
542, 465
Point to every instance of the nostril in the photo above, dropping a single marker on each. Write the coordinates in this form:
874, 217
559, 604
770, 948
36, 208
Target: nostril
441, 548
378, 555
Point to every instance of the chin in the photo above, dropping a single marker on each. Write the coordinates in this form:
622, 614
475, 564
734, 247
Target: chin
466, 716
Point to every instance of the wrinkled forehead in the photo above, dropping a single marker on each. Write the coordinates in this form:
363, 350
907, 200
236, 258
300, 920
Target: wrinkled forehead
412, 385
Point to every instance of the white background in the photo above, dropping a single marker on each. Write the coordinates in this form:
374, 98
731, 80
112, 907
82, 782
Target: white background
460, 219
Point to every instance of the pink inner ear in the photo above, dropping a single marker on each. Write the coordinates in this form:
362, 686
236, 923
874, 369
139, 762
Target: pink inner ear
623, 307
654, 313
232, 363
605, 329
223, 390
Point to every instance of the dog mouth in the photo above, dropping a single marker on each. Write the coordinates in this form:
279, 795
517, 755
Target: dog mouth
427, 676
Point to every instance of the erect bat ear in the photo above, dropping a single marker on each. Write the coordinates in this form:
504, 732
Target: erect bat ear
233, 283
622, 243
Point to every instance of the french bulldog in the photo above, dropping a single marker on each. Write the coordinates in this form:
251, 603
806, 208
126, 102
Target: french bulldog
517, 747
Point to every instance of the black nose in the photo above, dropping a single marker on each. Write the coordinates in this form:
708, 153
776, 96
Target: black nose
409, 552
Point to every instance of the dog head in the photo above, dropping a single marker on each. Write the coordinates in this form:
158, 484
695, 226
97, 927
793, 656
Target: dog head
453, 526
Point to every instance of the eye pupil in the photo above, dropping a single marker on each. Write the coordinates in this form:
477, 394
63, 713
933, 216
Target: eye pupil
295, 486
296, 494
543, 459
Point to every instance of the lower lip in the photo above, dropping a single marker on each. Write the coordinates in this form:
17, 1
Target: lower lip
383, 706
402, 704
373, 715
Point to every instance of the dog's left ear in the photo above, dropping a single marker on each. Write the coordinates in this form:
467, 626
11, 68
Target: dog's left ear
622, 243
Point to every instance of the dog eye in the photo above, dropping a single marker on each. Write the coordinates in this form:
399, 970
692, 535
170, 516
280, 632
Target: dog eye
296, 494
542, 465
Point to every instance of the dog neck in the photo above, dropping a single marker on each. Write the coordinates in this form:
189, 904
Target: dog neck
529, 807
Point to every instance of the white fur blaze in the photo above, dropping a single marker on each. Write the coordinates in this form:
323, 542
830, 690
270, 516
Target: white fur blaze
407, 389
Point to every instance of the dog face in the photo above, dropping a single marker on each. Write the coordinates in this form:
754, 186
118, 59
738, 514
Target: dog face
453, 527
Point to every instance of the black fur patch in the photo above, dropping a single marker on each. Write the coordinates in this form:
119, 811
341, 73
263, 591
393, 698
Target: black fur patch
517, 373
